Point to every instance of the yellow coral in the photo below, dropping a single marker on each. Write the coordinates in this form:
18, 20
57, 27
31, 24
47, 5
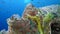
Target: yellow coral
37, 19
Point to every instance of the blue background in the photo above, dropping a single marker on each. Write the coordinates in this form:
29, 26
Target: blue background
10, 7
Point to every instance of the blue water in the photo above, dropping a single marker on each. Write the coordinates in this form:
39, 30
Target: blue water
10, 7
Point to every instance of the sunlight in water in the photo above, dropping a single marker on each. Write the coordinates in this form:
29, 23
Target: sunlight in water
27, 1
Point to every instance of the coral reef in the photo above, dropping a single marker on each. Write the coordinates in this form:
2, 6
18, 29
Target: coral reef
33, 21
